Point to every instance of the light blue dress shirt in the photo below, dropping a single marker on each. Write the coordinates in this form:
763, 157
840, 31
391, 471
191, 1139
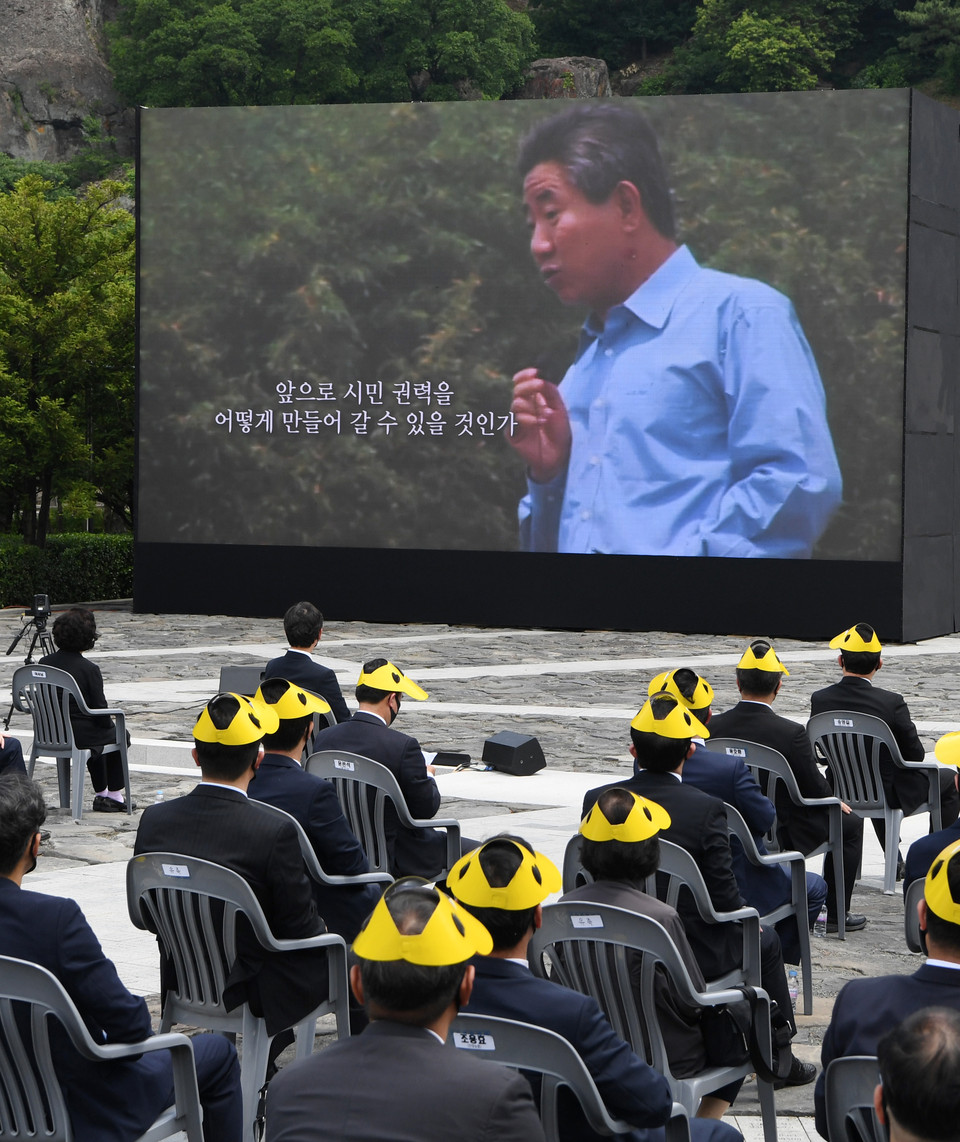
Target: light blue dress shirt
699, 427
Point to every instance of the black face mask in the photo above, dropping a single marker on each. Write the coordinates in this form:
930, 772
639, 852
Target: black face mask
393, 713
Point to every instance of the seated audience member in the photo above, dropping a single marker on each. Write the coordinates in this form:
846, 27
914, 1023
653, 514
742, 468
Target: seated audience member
503, 883
662, 736
281, 781
107, 1101
860, 659
728, 778
303, 626
75, 631
866, 1009
921, 853
918, 1096
397, 1080
11, 756
620, 849
217, 822
412, 852
759, 674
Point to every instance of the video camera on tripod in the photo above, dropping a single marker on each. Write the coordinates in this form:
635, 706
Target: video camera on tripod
38, 613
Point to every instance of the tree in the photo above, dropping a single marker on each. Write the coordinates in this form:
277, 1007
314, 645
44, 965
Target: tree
934, 42
66, 349
206, 53
619, 31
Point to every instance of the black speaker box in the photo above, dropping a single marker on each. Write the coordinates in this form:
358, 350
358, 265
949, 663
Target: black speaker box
518, 754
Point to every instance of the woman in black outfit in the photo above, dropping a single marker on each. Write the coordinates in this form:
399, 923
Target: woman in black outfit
75, 631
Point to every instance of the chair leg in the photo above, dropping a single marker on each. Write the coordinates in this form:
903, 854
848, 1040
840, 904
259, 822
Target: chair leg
253, 1067
768, 1111
31, 761
63, 781
892, 819
79, 783
840, 888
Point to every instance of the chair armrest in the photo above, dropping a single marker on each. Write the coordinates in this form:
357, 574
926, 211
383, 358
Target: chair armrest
329, 940
168, 1041
359, 878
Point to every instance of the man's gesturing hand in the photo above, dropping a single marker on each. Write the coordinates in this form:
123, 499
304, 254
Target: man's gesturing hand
542, 435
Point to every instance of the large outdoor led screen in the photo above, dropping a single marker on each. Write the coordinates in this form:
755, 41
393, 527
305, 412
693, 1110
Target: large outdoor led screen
334, 301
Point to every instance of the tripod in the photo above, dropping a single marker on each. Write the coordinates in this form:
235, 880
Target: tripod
41, 635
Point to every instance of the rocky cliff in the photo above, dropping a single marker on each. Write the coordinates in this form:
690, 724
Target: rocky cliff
53, 75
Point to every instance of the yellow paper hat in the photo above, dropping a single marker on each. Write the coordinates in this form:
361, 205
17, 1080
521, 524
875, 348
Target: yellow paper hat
391, 678
644, 820
450, 936
531, 884
294, 703
252, 720
678, 723
852, 639
702, 693
936, 888
947, 749
769, 661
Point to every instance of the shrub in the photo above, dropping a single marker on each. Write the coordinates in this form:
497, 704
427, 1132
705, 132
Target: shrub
71, 568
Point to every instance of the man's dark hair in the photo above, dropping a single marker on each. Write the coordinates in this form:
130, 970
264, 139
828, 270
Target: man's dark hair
941, 931
75, 630
920, 1071
22, 812
302, 624
600, 145
370, 693
225, 762
619, 860
762, 683
687, 681
656, 753
500, 860
861, 661
291, 730
404, 992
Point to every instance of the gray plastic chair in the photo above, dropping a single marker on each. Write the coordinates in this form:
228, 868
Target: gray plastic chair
515, 1044
849, 1084
175, 896
31, 1101
594, 949
797, 904
851, 743
911, 921
525, 1046
364, 787
312, 861
679, 870
763, 760
44, 692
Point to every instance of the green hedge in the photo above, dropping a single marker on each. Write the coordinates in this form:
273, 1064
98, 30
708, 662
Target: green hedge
70, 569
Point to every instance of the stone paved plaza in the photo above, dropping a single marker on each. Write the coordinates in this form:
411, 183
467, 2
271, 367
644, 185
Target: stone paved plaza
575, 691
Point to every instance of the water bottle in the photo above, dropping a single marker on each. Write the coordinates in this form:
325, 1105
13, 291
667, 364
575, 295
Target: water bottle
158, 800
793, 985
820, 924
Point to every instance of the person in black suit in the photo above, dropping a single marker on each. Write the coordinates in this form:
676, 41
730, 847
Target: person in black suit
397, 1081
414, 852
860, 659
728, 778
107, 1101
759, 674
662, 738
11, 756
922, 852
217, 822
303, 626
503, 884
918, 1097
866, 1009
75, 631
281, 781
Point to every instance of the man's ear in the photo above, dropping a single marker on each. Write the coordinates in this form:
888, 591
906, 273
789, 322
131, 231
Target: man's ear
537, 917
35, 846
633, 751
879, 663
356, 983
196, 759
259, 758
878, 1103
691, 751
466, 985
777, 687
629, 203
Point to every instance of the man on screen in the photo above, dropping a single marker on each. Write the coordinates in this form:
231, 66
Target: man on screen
692, 420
